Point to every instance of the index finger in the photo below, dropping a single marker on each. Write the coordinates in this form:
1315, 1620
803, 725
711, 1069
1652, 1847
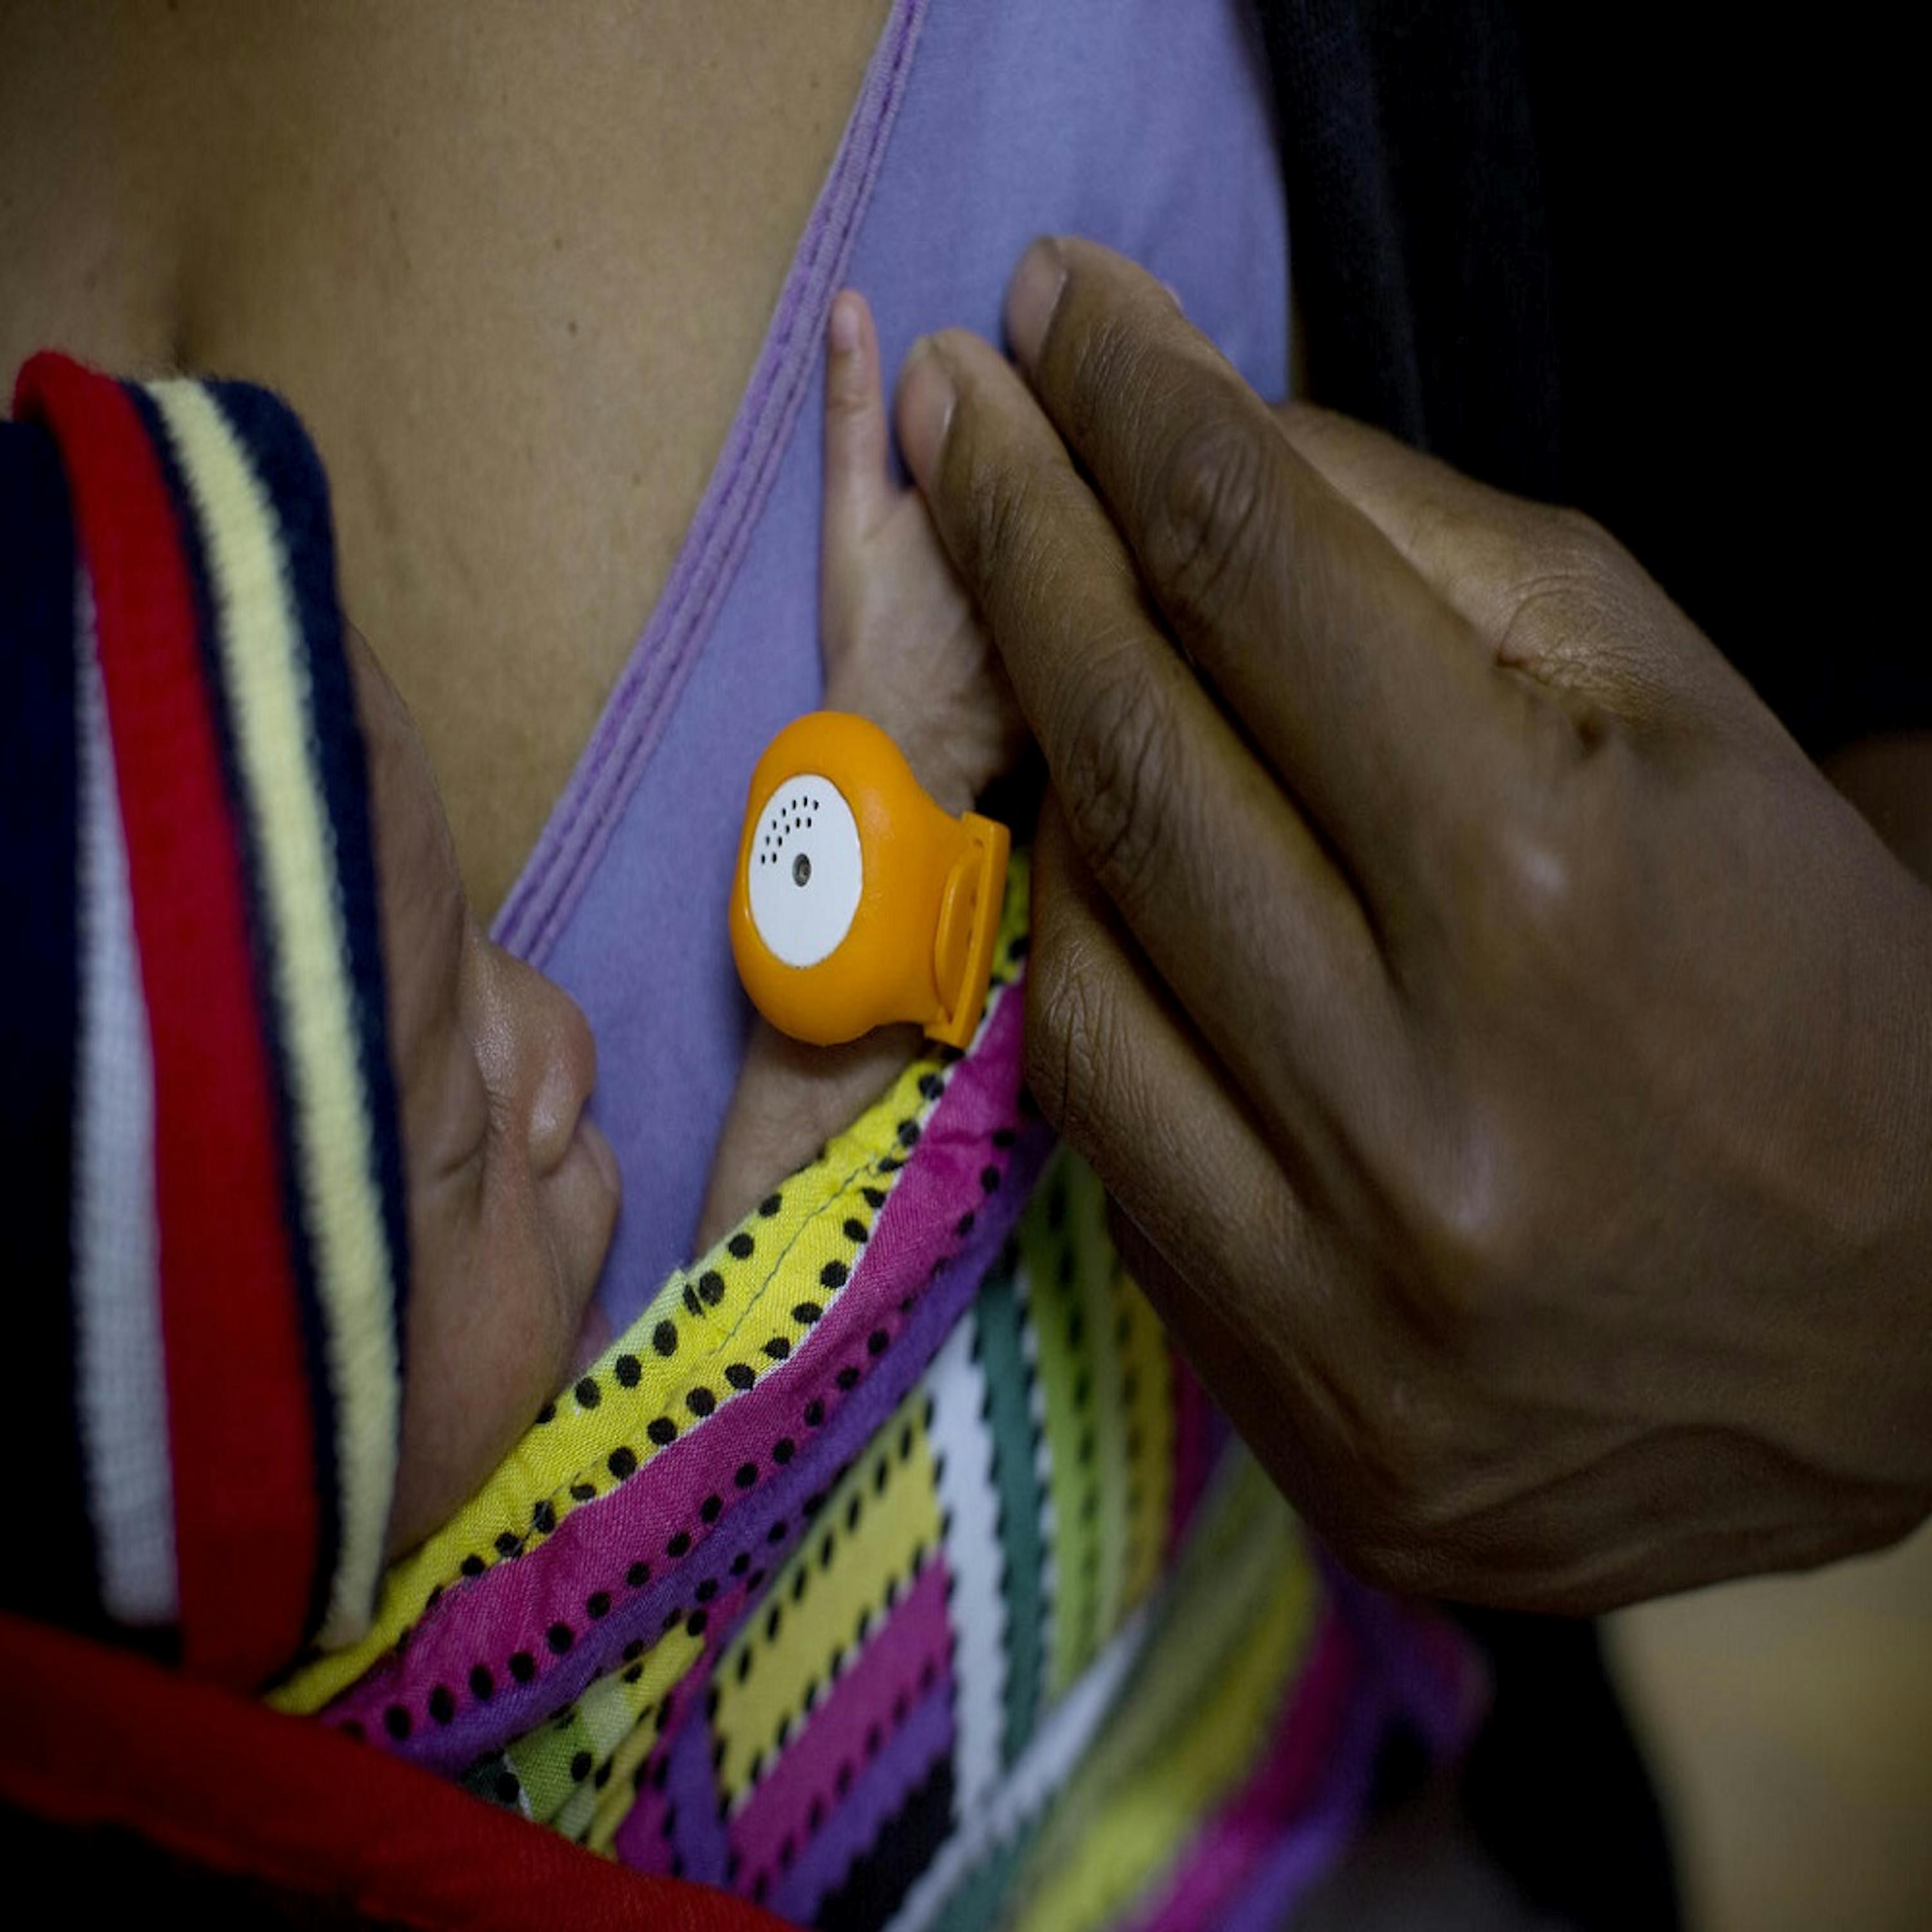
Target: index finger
1361, 683
1210, 864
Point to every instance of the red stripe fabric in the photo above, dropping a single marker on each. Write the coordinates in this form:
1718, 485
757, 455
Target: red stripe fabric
98, 1737
239, 1400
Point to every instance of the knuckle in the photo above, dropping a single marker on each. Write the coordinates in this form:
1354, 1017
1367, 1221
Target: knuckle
1567, 601
1120, 762
1214, 527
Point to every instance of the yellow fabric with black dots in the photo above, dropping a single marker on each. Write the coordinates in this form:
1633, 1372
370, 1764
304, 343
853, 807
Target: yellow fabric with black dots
556, 1761
878, 1527
714, 1329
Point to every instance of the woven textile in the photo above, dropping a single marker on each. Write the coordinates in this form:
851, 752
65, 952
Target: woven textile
892, 1569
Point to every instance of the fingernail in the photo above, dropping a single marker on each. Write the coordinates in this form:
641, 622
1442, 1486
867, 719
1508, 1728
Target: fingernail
1031, 297
926, 396
844, 328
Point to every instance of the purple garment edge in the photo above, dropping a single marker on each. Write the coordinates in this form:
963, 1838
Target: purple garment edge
540, 903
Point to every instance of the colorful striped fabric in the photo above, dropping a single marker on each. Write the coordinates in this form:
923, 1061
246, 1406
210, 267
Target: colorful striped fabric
892, 1570
218, 1179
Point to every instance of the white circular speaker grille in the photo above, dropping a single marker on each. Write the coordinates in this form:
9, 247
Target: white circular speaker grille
807, 871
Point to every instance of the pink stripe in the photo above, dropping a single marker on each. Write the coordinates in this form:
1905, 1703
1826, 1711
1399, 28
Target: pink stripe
917, 1638
512, 1605
1288, 1779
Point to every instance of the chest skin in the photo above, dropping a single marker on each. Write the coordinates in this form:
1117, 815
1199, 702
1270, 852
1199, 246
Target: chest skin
511, 264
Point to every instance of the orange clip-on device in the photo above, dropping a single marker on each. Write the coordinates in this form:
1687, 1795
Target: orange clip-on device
858, 900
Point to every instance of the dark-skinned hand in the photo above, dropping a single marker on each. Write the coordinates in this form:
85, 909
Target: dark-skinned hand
1511, 1060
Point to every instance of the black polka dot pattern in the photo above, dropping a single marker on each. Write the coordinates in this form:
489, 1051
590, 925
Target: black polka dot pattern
714, 1298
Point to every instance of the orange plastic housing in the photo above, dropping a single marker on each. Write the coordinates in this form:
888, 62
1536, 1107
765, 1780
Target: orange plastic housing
834, 806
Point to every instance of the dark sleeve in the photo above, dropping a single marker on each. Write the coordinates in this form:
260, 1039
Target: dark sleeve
1655, 270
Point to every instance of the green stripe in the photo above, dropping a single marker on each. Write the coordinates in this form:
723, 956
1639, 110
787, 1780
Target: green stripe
982, 1899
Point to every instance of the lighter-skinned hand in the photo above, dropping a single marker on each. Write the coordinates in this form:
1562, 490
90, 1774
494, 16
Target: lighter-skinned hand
1511, 1060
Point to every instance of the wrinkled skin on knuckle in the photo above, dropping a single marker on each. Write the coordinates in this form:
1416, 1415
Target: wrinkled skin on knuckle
1585, 619
1118, 770
1215, 523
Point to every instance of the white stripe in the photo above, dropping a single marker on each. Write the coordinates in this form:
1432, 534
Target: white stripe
974, 1561
1043, 1767
267, 678
122, 1379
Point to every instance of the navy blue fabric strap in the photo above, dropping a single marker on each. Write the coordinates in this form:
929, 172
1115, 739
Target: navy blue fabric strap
39, 1015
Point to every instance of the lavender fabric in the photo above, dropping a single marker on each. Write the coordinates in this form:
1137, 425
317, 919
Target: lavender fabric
980, 123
